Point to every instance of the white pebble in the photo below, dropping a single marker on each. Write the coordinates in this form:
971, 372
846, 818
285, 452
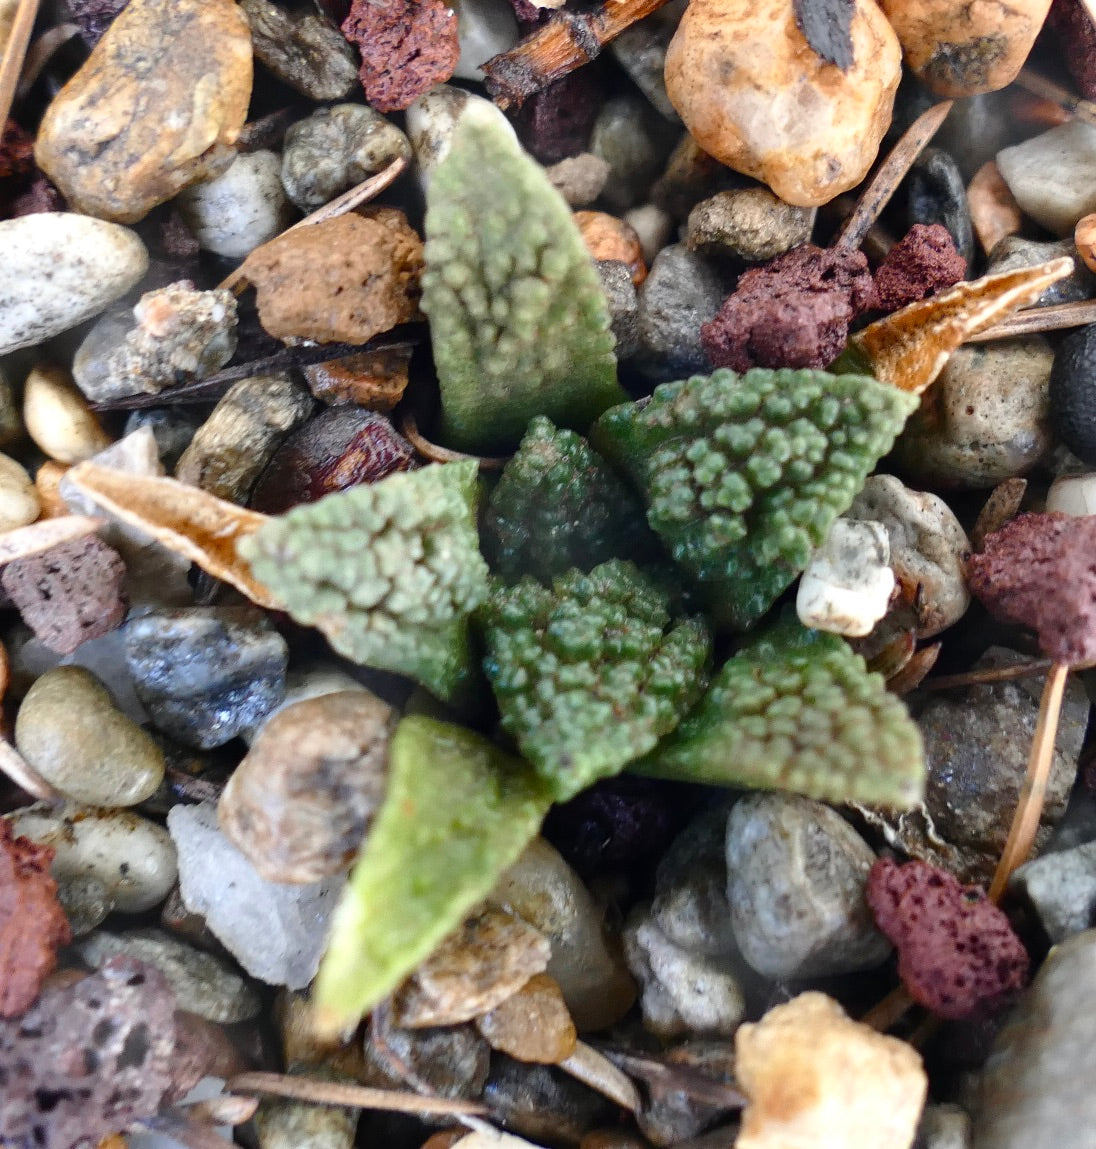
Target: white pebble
1073, 495
19, 503
847, 585
58, 418
432, 119
485, 28
1053, 175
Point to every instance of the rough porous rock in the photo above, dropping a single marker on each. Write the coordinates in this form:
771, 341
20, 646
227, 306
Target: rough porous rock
1076, 39
922, 263
532, 1024
59, 270
69, 594
156, 107
302, 48
276, 932
750, 223
1035, 1093
1053, 175
817, 1080
301, 802
1061, 888
756, 97
936, 194
407, 47
961, 47
795, 883
207, 673
340, 281
70, 731
985, 419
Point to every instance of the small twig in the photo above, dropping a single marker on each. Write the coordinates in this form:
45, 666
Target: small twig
353, 1096
1029, 808
1036, 320
410, 428
1083, 110
910, 677
662, 1078
355, 197
11, 64
887, 1012
595, 1070
41, 52
893, 170
989, 675
565, 43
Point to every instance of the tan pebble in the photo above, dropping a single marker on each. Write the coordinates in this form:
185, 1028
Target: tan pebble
340, 281
607, 237
373, 379
815, 1079
47, 483
963, 47
756, 97
1084, 236
994, 211
58, 419
155, 108
19, 501
1024, 108
532, 1025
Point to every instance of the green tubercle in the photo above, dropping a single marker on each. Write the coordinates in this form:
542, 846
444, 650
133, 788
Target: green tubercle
798, 710
518, 319
457, 813
591, 673
389, 571
743, 475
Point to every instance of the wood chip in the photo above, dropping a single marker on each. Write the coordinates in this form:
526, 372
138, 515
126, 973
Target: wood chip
44, 535
185, 519
911, 675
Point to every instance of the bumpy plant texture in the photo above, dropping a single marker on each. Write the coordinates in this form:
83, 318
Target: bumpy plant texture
389, 571
457, 812
590, 674
558, 507
517, 316
744, 474
798, 710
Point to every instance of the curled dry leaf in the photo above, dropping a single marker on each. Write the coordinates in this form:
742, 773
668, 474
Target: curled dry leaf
182, 518
44, 535
1003, 504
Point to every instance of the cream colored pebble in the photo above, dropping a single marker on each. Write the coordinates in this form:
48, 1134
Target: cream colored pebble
58, 418
846, 588
19, 503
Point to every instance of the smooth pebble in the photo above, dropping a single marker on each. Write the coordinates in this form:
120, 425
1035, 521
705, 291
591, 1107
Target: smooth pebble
58, 419
19, 502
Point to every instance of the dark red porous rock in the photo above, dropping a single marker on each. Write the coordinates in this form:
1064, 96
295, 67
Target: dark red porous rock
1076, 38
557, 121
922, 263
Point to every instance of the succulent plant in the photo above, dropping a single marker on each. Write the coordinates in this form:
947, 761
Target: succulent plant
591, 673
389, 571
456, 813
798, 710
559, 507
744, 474
517, 316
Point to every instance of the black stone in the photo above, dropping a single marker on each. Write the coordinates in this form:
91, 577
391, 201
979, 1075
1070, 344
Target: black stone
936, 193
827, 26
1073, 393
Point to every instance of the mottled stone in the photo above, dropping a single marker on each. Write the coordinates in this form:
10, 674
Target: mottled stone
795, 883
634, 140
579, 179
608, 238
1061, 888
303, 49
1053, 175
59, 270
375, 380
283, 1124
453, 1060
623, 303
751, 224
756, 97
156, 107
532, 1024
207, 673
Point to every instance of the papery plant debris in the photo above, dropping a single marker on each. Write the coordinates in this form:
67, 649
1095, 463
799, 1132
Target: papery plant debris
743, 475
591, 673
957, 953
798, 710
558, 507
457, 812
389, 571
518, 318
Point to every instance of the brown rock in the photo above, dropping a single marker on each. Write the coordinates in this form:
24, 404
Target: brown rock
756, 97
532, 1025
340, 281
607, 237
1084, 236
375, 380
157, 106
963, 47
994, 211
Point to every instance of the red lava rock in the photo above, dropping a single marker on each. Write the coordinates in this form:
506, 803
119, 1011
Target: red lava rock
70, 593
1040, 571
94, 17
922, 263
957, 953
793, 312
32, 923
557, 121
407, 47
1077, 38
340, 448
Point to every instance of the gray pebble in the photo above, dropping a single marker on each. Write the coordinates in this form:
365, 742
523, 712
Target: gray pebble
485, 28
1061, 888
671, 1117
796, 872
976, 129
202, 983
1037, 1089
682, 291
172, 427
620, 295
335, 148
61, 269
641, 52
295, 1125
207, 673
579, 179
70, 731
453, 1060
635, 140
751, 224
1053, 175
543, 1103
86, 902
303, 49
1014, 252
937, 194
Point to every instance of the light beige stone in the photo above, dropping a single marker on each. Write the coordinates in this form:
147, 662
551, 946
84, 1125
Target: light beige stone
58, 418
19, 502
815, 1079
756, 97
533, 1024
963, 47
156, 107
